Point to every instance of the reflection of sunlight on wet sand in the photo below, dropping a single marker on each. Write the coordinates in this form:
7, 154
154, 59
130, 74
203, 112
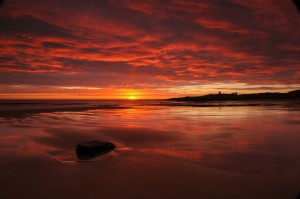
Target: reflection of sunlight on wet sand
253, 162
256, 140
159, 149
189, 154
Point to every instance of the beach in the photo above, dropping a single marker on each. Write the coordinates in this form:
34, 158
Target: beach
162, 150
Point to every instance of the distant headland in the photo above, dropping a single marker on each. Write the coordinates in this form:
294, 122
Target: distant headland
235, 97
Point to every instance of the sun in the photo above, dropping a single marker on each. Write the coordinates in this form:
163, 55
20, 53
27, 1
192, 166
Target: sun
131, 94
132, 97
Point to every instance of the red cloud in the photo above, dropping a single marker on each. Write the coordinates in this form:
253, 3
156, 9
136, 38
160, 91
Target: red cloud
142, 42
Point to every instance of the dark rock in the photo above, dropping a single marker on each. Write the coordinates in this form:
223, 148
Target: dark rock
91, 149
298, 196
297, 4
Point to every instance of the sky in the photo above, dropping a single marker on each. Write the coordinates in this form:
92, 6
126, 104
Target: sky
150, 49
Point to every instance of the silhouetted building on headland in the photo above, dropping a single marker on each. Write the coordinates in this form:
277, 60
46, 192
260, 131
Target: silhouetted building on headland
234, 96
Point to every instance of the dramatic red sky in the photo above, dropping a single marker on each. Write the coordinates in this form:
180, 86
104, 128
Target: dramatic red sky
147, 48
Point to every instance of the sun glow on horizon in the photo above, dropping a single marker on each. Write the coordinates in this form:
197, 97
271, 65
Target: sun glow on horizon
132, 97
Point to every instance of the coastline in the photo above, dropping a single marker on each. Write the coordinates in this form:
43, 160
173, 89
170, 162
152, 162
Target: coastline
292, 95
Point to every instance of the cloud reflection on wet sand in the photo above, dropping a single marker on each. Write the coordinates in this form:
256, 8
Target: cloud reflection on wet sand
256, 145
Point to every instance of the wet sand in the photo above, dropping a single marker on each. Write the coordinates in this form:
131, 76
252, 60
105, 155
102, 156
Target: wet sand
204, 155
133, 175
